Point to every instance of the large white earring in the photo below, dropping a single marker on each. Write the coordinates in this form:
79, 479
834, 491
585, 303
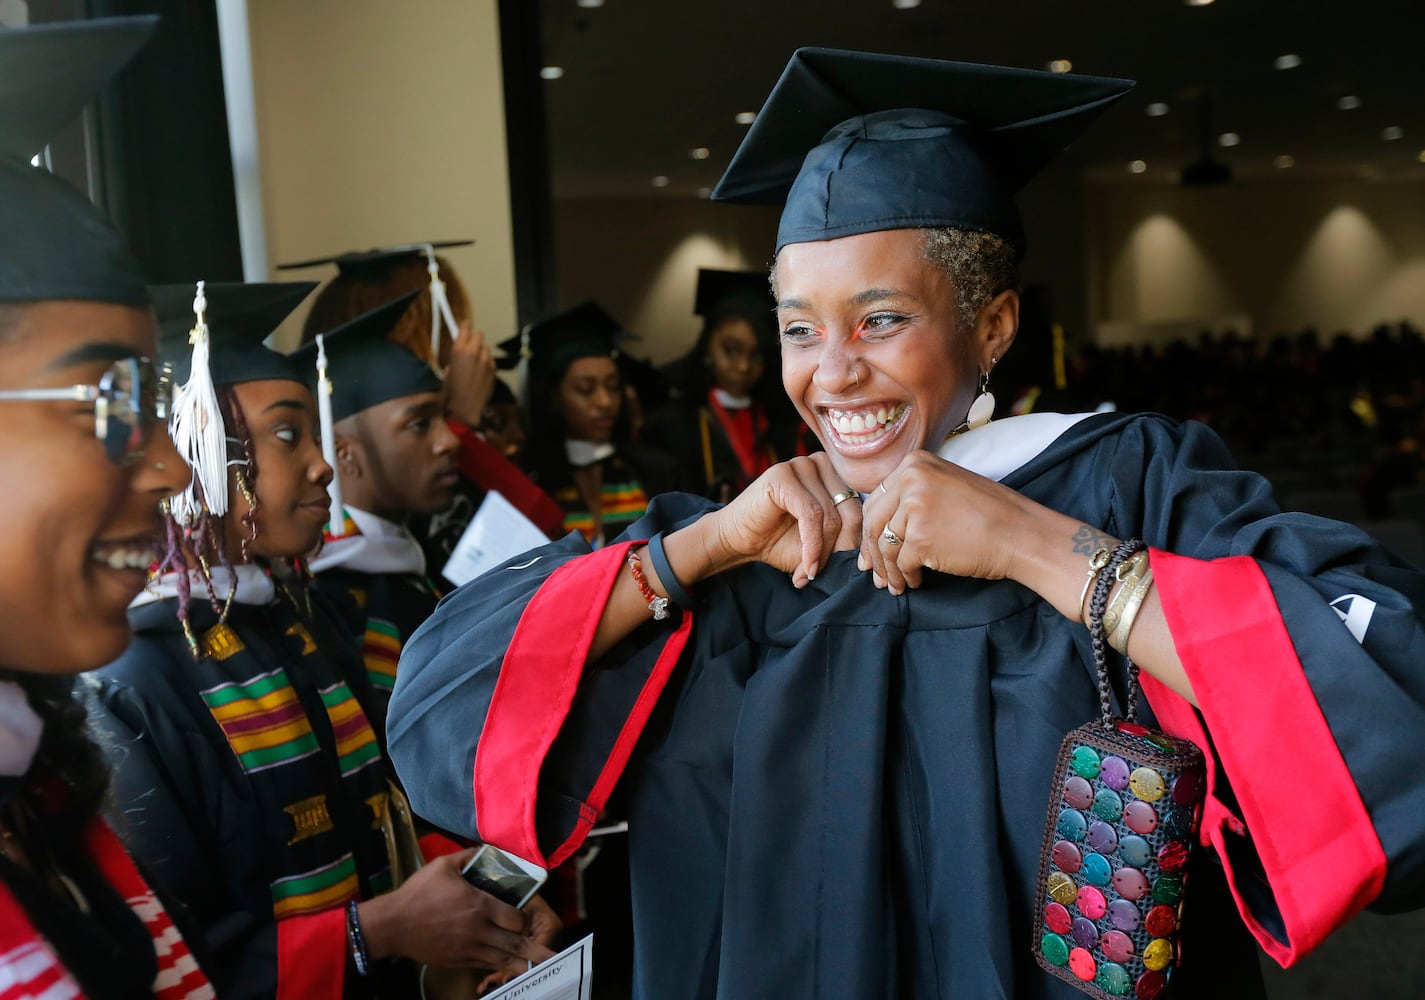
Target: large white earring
983, 407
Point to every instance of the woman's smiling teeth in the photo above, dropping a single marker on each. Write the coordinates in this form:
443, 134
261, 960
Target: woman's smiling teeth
125, 555
864, 425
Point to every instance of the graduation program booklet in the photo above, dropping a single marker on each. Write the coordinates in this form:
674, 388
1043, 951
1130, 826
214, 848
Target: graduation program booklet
497, 532
566, 976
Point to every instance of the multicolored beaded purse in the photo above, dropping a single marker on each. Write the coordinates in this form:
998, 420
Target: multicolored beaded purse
1123, 814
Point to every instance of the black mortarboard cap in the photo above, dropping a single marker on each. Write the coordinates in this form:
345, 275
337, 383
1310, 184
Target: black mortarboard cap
240, 317
854, 142
584, 331
717, 287
357, 261
365, 368
53, 243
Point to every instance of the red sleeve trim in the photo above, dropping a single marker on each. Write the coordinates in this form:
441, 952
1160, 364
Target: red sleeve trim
538, 680
1274, 745
311, 955
438, 845
484, 466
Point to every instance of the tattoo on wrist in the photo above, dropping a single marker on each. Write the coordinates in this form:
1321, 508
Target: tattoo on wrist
1088, 540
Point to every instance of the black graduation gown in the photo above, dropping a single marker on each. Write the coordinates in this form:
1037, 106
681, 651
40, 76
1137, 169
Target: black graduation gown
287, 828
839, 793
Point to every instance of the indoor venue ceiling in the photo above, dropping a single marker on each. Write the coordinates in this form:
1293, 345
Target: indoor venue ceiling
647, 82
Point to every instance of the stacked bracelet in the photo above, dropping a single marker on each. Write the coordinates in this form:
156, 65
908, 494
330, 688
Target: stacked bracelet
359, 955
1127, 603
1097, 562
1127, 572
676, 593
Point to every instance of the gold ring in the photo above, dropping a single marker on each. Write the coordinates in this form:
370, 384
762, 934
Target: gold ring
890, 537
841, 497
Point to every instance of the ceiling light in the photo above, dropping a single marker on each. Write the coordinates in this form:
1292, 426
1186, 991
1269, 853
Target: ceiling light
1198, 3
1229, 139
1349, 103
700, 153
588, 3
1284, 162
1060, 66
905, 4
551, 72
1137, 167
660, 181
1289, 61
1421, 157
1392, 132
1156, 110
745, 117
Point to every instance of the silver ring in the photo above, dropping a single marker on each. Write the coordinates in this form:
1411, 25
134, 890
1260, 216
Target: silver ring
883, 487
840, 498
890, 537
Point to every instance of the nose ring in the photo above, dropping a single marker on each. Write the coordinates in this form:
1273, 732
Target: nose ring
855, 377
160, 467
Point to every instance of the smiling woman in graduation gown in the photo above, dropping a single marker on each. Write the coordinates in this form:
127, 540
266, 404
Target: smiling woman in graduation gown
837, 762
85, 462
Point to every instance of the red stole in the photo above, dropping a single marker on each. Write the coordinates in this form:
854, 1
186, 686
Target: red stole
746, 429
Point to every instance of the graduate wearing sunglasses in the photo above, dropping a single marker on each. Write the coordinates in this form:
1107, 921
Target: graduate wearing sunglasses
87, 462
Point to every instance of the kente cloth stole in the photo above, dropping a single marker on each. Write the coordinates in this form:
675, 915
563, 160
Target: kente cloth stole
623, 502
29, 969
309, 754
393, 607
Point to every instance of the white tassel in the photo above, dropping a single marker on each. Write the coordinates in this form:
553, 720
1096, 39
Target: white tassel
196, 425
336, 523
440, 311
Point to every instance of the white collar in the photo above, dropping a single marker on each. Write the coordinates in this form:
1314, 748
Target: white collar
378, 546
248, 584
20, 730
1001, 446
731, 402
582, 453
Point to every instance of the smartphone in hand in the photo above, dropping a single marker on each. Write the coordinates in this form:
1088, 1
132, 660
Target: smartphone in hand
508, 878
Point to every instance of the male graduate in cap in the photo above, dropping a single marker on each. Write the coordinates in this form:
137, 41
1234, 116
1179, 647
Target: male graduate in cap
838, 702
395, 458
438, 328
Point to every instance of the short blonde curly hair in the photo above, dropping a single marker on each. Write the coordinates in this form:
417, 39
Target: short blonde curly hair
979, 266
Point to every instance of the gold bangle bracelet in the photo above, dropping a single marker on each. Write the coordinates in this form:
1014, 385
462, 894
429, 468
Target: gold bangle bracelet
1129, 572
1118, 639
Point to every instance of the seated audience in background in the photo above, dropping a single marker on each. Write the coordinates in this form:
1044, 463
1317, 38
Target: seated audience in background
84, 475
251, 782
367, 279
502, 423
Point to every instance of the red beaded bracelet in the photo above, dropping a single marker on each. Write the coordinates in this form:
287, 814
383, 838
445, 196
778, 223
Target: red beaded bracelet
658, 605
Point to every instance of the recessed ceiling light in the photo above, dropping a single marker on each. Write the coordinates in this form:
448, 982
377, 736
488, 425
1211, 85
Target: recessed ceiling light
1060, 66
588, 3
1137, 167
1229, 139
745, 117
1348, 103
905, 4
1199, 3
1288, 61
551, 72
1284, 162
700, 153
1156, 110
1392, 132
660, 181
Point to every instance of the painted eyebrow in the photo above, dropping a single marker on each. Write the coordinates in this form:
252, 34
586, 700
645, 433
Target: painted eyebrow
286, 404
110, 351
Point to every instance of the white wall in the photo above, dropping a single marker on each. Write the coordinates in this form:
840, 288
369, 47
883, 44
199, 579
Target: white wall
1280, 255
383, 123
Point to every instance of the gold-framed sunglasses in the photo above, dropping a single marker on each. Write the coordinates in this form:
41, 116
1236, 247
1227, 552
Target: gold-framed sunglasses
130, 398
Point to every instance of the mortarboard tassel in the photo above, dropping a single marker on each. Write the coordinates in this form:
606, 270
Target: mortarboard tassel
336, 525
440, 311
196, 424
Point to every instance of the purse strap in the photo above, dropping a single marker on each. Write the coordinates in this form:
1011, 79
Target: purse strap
1098, 637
